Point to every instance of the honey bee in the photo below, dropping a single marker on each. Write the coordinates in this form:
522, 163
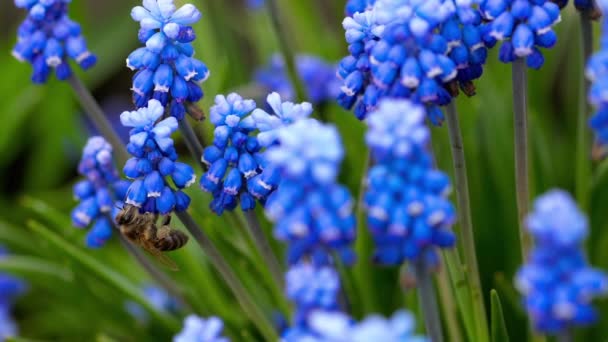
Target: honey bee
141, 230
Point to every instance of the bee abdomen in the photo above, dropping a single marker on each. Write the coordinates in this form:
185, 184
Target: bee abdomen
175, 240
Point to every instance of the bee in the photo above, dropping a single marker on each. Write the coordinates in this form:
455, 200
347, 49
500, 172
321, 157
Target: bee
141, 230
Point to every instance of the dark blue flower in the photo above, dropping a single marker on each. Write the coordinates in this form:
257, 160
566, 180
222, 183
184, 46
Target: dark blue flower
312, 213
10, 288
100, 194
197, 329
354, 6
597, 73
523, 25
47, 38
407, 205
556, 281
166, 70
154, 160
318, 76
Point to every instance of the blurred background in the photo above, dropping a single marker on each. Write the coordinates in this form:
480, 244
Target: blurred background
42, 133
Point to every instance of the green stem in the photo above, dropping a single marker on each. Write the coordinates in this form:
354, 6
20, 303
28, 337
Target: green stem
466, 221
461, 291
255, 314
192, 143
363, 268
428, 302
96, 115
263, 245
280, 28
25, 264
448, 306
583, 163
520, 109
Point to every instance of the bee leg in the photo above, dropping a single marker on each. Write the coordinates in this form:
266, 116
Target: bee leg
150, 232
166, 220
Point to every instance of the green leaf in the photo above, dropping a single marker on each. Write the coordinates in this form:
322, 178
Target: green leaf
105, 273
24, 265
499, 328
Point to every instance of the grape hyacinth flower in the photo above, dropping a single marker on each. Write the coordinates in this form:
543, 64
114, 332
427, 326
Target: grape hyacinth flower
100, 193
47, 38
10, 288
524, 26
166, 68
414, 50
597, 73
354, 6
408, 211
233, 158
556, 282
338, 327
158, 297
154, 159
311, 212
318, 76
311, 287
197, 329
255, 4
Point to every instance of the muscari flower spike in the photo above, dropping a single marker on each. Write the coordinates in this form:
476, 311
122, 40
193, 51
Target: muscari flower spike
154, 160
411, 49
524, 26
319, 78
10, 288
597, 73
47, 38
338, 327
556, 282
100, 194
311, 212
165, 68
197, 329
408, 211
311, 287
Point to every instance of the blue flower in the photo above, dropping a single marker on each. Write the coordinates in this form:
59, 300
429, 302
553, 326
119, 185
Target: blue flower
312, 287
234, 158
354, 6
158, 297
312, 213
255, 4
155, 159
10, 288
100, 193
411, 49
337, 327
407, 205
585, 6
318, 76
166, 70
47, 38
597, 73
556, 281
197, 329
524, 26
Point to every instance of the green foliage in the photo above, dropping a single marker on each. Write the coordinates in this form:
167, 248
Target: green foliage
83, 292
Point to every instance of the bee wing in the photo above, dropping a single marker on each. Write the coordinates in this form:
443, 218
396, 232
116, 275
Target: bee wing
162, 258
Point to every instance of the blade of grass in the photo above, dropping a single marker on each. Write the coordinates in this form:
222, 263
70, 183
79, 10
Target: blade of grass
25, 264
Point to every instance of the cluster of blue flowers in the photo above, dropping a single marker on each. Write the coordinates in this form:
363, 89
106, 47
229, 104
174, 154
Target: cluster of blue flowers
523, 26
100, 193
154, 159
409, 214
338, 327
311, 287
420, 50
201, 330
166, 70
47, 38
10, 288
238, 172
319, 77
354, 6
556, 282
597, 73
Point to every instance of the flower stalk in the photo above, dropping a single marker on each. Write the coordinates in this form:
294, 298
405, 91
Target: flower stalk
520, 110
428, 301
464, 217
258, 236
97, 116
